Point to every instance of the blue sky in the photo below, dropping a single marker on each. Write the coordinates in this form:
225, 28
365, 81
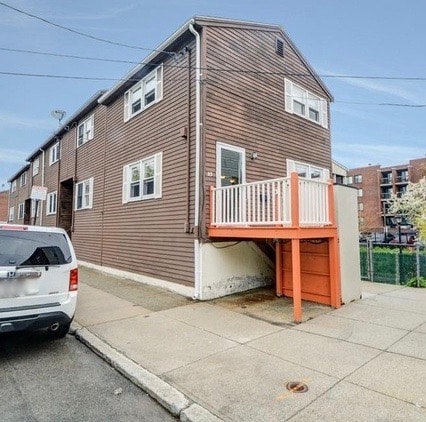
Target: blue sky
358, 38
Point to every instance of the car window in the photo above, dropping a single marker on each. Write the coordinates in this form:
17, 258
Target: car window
30, 248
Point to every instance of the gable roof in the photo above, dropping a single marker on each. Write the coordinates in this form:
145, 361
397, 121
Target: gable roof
161, 50
18, 173
91, 103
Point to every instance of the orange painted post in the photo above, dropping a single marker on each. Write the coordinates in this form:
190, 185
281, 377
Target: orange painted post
297, 282
279, 269
294, 187
335, 288
331, 211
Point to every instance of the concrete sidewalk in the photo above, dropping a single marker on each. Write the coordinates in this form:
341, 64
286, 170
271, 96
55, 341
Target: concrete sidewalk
212, 361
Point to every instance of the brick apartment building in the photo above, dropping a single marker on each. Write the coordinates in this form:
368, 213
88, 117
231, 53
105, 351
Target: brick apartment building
375, 186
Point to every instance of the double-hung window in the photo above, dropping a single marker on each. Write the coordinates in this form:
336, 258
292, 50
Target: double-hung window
35, 208
51, 203
11, 214
23, 180
54, 153
300, 101
142, 179
85, 131
21, 211
13, 187
307, 171
84, 194
142, 95
36, 166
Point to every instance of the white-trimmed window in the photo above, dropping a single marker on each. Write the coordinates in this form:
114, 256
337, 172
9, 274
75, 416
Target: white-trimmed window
85, 131
21, 211
36, 166
300, 101
360, 206
145, 93
54, 153
23, 179
84, 194
35, 205
11, 213
360, 193
13, 187
51, 203
307, 171
142, 179
358, 178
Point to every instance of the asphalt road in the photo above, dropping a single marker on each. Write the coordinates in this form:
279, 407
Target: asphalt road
62, 380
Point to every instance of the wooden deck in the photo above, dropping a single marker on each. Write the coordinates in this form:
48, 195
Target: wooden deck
296, 213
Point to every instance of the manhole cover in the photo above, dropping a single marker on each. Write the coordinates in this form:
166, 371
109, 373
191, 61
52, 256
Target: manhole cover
297, 387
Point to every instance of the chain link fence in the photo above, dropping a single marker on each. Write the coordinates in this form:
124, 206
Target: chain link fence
392, 264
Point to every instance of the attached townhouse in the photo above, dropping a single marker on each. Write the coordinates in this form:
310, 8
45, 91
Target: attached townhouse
204, 170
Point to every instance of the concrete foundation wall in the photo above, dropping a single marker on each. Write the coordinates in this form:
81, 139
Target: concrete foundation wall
228, 268
347, 222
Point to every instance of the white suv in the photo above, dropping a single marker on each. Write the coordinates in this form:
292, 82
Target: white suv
38, 279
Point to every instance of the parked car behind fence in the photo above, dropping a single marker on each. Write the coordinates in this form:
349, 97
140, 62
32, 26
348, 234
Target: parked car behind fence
392, 263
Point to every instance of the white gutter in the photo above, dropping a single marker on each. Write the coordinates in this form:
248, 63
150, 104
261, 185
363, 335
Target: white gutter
197, 256
162, 47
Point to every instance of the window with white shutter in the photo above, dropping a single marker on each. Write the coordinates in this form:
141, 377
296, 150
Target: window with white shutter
54, 153
85, 131
143, 179
84, 194
51, 203
146, 92
300, 101
307, 171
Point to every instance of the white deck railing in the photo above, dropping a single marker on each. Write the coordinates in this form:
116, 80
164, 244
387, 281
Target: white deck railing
268, 203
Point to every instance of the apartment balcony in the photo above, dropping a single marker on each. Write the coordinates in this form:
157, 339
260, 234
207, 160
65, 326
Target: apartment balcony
402, 179
287, 210
386, 181
282, 208
385, 195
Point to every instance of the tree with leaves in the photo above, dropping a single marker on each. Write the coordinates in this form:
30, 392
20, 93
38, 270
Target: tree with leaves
412, 204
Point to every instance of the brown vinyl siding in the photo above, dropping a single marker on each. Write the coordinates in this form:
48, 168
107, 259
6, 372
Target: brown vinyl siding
51, 178
248, 109
147, 236
20, 195
88, 162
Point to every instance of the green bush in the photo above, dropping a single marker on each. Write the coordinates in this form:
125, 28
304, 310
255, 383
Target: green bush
413, 282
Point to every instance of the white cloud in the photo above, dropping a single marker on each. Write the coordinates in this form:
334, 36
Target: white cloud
12, 156
387, 87
358, 154
10, 120
403, 90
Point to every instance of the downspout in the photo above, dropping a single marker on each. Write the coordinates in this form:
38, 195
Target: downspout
197, 255
74, 181
188, 147
42, 184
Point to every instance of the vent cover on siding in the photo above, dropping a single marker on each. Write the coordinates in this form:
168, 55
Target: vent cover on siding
279, 47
